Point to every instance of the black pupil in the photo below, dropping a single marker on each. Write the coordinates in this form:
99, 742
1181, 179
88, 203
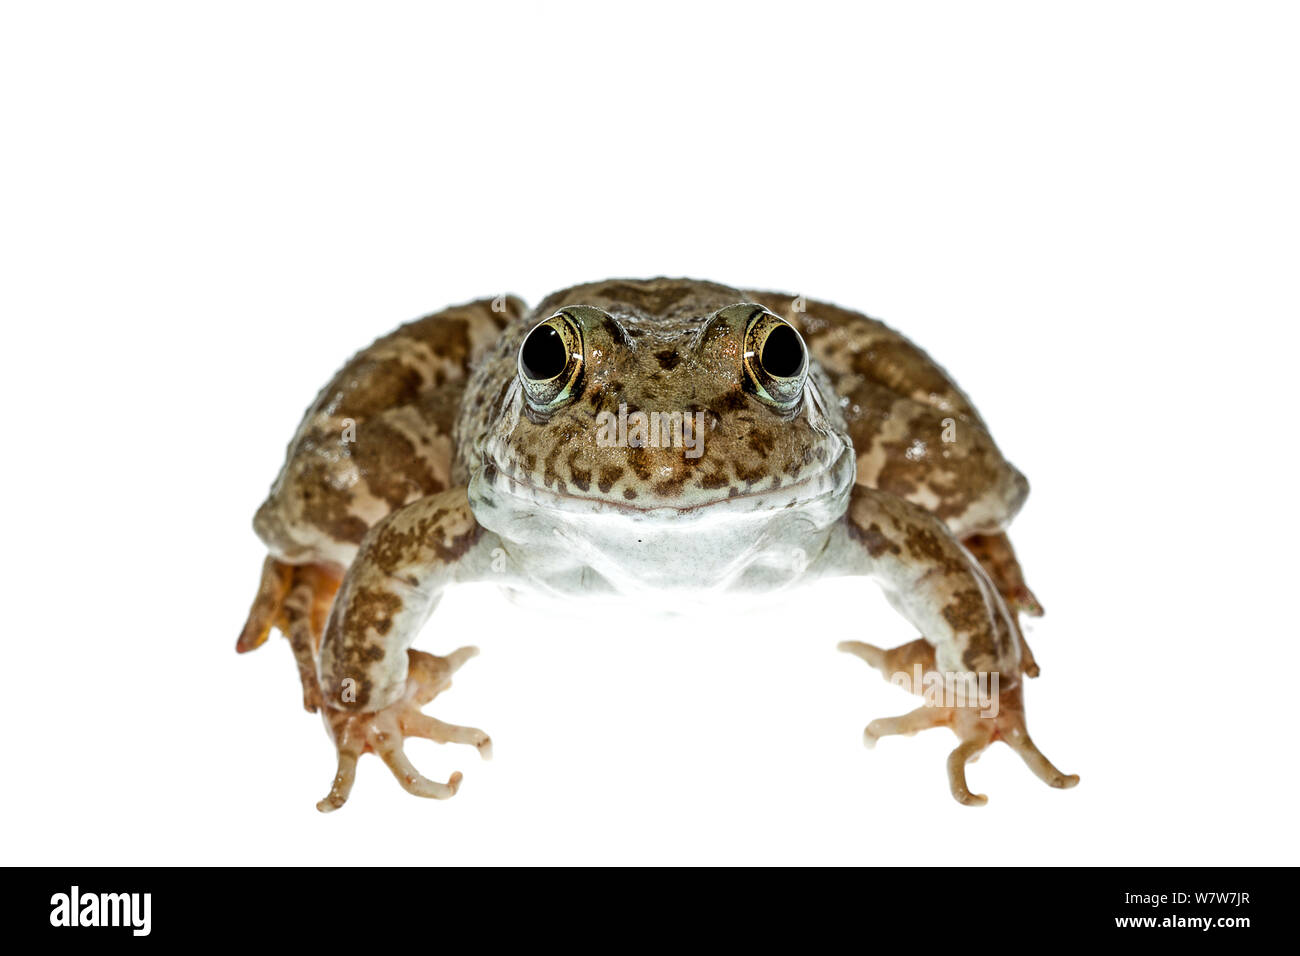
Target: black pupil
544, 355
782, 354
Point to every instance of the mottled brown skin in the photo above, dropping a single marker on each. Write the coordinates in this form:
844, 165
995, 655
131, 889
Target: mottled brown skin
415, 549
402, 393
375, 485
660, 347
896, 402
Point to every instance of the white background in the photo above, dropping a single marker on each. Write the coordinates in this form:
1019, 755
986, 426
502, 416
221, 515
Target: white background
1087, 212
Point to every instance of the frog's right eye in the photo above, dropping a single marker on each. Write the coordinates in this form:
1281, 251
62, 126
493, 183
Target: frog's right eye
550, 362
776, 359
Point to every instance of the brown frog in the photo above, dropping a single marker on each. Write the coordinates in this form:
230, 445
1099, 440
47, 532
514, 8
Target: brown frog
630, 436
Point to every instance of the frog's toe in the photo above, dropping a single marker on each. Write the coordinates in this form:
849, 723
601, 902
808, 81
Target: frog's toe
964, 753
457, 658
873, 655
342, 785
422, 725
430, 675
1028, 666
923, 718
412, 780
1022, 599
1043, 769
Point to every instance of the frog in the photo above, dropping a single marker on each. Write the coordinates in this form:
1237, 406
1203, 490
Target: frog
634, 437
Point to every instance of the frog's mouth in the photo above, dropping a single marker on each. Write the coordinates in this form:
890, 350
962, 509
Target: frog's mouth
828, 485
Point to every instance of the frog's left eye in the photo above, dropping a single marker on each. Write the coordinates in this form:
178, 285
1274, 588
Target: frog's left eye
776, 360
550, 362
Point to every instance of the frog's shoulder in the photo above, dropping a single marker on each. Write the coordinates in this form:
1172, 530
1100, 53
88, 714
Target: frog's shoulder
425, 353
916, 433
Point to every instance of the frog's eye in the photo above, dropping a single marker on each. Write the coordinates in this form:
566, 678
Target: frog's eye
776, 360
550, 362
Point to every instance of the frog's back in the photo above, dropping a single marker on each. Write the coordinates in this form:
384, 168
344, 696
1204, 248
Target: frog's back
379, 434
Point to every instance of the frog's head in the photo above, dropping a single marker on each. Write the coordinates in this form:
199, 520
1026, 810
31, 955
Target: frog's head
619, 410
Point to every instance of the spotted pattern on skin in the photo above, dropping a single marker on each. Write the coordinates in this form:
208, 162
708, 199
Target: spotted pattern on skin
444, 532
897, 403
933, 549
875, 541
406, 554
399, 398
356, 641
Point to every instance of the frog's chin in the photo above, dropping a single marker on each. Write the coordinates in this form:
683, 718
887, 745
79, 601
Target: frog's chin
495, 487
573, 544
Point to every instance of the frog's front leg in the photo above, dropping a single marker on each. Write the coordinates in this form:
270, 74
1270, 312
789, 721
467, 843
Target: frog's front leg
967, 665
372, 685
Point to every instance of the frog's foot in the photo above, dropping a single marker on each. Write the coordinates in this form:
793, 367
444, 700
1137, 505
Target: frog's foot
998, 558
383, 731
296, 599
975, 727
